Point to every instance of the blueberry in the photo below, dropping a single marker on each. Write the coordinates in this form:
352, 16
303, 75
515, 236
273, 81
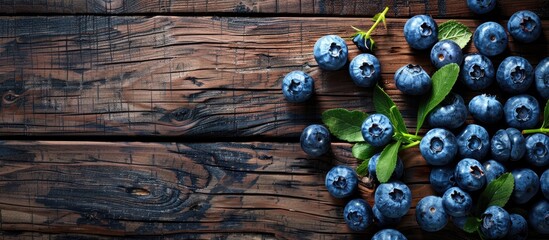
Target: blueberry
521, 111
393, 199
446, 52
542, 78
526, 185
515, 75
518, 229
481, 6
508, 144
490, 39
297, 86
450, 113
315, 140
358, 215
469, 174
544, 183
457, 202
397, 173
495, 222
388, 234
383, 221
537, 149
430, 214
492, 170
477, 71
486, 109
442, 179
538, 217
421, 32
330, 52
365, 70
377, 130
412, 80
365, 45
438, 147
473, 142
341, 181
524, 26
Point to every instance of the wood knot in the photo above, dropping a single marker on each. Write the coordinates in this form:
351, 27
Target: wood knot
138, 191
9, 97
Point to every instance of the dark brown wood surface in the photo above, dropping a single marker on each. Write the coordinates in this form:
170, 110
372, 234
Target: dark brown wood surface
165, 119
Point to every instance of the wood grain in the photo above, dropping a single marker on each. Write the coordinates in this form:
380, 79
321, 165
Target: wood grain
175, 190
438, 8
186, 76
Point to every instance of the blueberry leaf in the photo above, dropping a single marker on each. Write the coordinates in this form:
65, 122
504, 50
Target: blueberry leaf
387, 162
344, 124
443, 81
546, 115
471, 224
455, 31
363, 150
362, 169
497, 193
384, 105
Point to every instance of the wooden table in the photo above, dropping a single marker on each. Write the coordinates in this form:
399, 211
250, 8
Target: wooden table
165, 119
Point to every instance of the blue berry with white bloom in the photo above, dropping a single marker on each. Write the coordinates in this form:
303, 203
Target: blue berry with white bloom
524, 26
473, 142
446, 52
412, 80
493, 169
477, 71
389, 234
486, 108
526, 185
421, 32
469, 175
430, 214
377, 130
358, 215
508, 144
538, 217
541, 75
495, 222
393, 199
330, 52
341, 181
365, 70
315, 140
490, 39
515, 75
297, 86
521, 111
457, 202
442, 178
450, 113
438, 147
537, 149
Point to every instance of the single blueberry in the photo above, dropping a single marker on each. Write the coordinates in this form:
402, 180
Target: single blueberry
330, 52
457, 202
412, 80
341, 181
450, 113
469, 175
442, 179
377, 130
537, 149
515, 75
490, 39
526, 185
384, 221
421, 32
524, 26
365, 70
389, 234
544, 183
473, 142
446, 52
521, 111
297, 86
365, 45
519, 228
393, 199
438, 147
358, 215
477, 71
397, 173
315, 140
430, 214
486, 109
481, 6
508, 144
495, 222
492, 170
538, 217
541, 74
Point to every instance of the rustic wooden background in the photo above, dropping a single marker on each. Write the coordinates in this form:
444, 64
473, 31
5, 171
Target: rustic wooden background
165, 119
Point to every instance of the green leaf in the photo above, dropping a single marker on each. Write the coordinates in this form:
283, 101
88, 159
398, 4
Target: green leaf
363, 151
362, 169
497, 193
387, 162
384, 105
546, 115
443, 81
344, 124
455, 31
472, 224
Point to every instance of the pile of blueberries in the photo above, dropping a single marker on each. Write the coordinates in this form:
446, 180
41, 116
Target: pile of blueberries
481, 158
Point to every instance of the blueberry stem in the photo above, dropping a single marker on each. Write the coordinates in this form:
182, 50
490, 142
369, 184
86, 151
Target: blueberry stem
382, 15
538, 130
410, 145
412, 136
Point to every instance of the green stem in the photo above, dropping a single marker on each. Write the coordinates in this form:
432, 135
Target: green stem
377, 22
410, 145
538, 130
412, 136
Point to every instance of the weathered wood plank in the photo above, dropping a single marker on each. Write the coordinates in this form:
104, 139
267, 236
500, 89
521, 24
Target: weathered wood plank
184, 76
438, 8
174, 190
